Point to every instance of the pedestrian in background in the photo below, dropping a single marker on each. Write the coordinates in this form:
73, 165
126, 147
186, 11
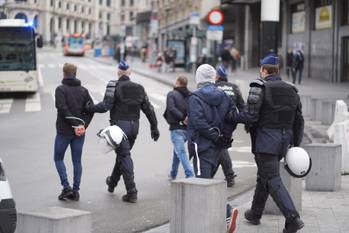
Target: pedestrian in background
176, 115
297, 66
233, 91
289, 62
71, 124
274, 119
124, 100
226, 57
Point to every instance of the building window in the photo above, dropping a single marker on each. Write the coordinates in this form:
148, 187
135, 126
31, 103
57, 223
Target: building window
68, 6
75, 8
122, 2
100, 2
59, 4
60, 23
122, 18
131, 2
68, 25
83, 10
52, 3
298, 18
89, 11
108, 16
108, 2
131, 15
108, 29
345, 12
323, 14
100, 15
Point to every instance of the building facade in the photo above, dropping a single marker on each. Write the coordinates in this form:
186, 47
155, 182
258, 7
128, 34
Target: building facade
55, 18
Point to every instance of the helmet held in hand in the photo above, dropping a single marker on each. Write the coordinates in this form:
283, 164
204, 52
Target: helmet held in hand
297, 162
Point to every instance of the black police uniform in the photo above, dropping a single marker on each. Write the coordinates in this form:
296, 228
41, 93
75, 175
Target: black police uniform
275, 120
233, 91
124, 99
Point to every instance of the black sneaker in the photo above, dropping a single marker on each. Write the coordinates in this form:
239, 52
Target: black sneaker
111, 185
75, 196
230, 183
250, 216
130, 197
293, 226
66, 192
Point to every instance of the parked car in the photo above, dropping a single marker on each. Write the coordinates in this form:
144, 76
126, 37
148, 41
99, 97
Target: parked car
8, 214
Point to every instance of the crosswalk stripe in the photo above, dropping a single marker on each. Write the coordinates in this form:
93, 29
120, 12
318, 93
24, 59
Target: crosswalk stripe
243, 164
159, 97
32, 104
51, 65
41, 80
5, 105
241, 149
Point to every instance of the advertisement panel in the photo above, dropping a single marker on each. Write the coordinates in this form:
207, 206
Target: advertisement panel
179, 46
298, 22
323, 17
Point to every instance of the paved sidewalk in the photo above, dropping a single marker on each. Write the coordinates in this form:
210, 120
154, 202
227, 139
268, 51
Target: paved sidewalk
323, 212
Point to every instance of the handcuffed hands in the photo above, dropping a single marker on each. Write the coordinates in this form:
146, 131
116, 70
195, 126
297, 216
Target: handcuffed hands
80, 130
155, 134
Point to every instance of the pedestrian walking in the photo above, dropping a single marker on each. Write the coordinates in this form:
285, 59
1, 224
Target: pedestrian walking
176, 115
124, 100
71, 124
208, 134
226, 58
297, 66
289, 62
233, 91
274, 119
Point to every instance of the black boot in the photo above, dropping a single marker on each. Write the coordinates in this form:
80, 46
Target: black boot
293, 226
130, 197
75, 196
230, 182
252, 218
111, 185
66, 192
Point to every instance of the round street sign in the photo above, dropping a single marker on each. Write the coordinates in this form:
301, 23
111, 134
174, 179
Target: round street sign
215, 17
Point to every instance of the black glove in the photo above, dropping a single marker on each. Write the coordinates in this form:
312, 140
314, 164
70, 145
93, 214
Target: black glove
155, 134
230, 117
223, 142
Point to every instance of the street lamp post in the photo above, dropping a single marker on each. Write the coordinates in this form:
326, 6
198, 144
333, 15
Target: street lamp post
270, 16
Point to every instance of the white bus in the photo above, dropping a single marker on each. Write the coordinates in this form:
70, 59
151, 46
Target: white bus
18, 68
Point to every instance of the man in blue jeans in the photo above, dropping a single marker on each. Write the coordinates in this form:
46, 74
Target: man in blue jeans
71, 124
176, 117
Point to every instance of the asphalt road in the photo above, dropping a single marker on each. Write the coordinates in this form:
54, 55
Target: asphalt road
27, 131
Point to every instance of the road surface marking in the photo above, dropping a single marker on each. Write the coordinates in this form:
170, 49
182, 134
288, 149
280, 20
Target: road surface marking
155, 105
41, 80
5, 105
243, 164
240, 149
32, 104
41, 65
159, 97
51, 66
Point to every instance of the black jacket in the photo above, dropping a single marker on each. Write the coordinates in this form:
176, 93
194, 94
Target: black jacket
71, 99
177, 107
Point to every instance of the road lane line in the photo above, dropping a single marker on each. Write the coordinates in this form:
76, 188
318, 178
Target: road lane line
41, 80
159, 97
5, 105
32, 104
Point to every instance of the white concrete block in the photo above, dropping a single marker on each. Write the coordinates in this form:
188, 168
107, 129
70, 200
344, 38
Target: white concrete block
198, 206
328, 109
54, 220
294, 187
325, 174
306, 105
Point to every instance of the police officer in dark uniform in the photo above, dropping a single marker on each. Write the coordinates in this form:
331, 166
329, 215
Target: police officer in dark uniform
274, 119
124, 99
233, 91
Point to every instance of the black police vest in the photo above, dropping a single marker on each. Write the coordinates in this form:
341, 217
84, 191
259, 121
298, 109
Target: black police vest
128, 99
279, 106
229, 89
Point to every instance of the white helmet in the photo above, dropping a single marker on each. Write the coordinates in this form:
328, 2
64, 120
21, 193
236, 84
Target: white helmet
110, 138
297, 162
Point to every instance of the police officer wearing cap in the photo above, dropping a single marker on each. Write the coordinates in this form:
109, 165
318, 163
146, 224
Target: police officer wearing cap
233, 91
274, 119
124, 100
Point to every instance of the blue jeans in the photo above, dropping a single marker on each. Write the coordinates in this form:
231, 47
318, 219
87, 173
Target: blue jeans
61, 144
178, 138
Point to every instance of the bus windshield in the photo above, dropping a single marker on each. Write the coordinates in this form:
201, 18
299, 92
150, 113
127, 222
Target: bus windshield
17, 48
76, 41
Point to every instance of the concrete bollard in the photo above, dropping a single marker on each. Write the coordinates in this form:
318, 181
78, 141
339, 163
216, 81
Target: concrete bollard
294, 187
306, 105
198, 206
54, 220
325, 174
328, 109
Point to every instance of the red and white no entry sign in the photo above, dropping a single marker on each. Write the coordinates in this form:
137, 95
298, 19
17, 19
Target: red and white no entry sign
215, 17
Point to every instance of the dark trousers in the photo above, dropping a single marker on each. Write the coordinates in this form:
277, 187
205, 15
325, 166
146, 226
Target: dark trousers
61, 144
124, 164
226, 164
294, 75
269, 183
206, 162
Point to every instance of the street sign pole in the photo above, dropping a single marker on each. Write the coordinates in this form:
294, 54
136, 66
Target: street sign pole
270, 16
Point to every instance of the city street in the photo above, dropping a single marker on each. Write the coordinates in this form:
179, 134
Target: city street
27, 126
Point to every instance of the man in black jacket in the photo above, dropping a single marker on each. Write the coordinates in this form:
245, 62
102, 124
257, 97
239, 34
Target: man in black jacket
176, 116
124, 99
233, 91
71, 124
